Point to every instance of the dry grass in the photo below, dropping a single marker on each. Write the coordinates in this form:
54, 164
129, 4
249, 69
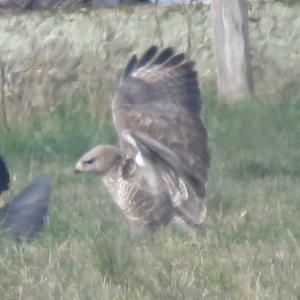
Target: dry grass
252, 246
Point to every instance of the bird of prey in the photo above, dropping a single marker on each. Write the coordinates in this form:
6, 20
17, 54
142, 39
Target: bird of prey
161, 168
24, 216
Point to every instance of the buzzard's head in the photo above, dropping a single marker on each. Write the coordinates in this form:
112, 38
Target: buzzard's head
99, 160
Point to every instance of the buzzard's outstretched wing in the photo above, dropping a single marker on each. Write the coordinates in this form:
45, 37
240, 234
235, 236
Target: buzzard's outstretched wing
158, 100
23, 217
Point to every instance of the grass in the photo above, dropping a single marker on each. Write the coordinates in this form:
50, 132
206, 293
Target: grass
252, 246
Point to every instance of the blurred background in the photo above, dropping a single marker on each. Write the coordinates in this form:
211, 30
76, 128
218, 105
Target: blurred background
60, 61
49, 56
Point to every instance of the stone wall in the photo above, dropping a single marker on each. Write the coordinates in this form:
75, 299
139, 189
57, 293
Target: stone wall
47, 57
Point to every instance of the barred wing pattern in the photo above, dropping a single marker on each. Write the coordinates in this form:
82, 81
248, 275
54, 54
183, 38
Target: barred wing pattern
157, 107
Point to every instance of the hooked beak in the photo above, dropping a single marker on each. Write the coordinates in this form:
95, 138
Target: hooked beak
79, 167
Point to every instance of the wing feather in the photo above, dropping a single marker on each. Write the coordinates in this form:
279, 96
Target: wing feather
130, 66
182, 185
24, 216
160, 98
175, 60
163, 56
147, 57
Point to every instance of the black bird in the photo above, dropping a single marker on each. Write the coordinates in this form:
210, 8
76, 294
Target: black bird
24, 216
4, 176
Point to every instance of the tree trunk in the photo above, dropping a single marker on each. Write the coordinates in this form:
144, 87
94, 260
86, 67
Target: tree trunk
232, 53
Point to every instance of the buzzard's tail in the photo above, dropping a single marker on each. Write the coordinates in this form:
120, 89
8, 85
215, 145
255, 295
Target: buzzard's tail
4, 176
23, 217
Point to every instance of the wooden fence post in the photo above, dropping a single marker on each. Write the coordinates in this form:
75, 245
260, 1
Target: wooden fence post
232, 52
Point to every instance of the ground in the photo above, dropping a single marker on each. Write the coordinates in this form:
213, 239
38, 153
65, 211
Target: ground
251, 249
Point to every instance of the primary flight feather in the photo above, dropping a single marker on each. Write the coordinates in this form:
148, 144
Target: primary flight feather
162, 167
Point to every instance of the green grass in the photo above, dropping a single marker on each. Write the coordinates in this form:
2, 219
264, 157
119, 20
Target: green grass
252, 246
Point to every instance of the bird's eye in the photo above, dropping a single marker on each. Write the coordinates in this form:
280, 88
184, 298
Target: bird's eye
90, 161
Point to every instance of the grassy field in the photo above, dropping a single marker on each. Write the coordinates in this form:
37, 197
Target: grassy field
252, 246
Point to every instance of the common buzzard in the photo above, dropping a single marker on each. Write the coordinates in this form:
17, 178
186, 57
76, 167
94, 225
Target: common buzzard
161, 168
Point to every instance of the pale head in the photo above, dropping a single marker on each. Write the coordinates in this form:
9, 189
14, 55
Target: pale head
99, 160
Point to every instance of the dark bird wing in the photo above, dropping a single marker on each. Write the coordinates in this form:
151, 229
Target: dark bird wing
159, 98
23, 217
4, 176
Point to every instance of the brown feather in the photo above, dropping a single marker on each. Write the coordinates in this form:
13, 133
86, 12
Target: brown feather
162, 167
162, 101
